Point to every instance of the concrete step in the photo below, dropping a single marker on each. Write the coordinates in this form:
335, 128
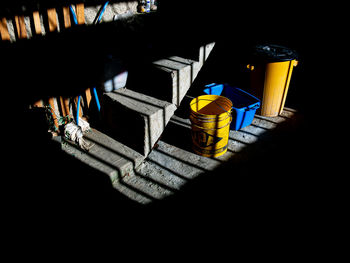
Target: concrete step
135, 119
106, 155
183, 71
169, 78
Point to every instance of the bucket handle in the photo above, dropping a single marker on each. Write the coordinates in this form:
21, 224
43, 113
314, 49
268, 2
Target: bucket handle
254, 107
210, 85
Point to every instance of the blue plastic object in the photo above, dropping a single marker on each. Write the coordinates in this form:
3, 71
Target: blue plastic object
244, 104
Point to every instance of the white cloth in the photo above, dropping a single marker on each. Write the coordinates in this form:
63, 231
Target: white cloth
75, 133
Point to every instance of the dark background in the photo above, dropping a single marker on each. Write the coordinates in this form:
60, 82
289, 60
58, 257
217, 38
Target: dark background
49, 190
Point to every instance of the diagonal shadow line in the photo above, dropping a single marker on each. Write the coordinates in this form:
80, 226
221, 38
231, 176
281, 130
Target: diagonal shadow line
156, 182
53, 21
168, 169
257, 126
288, 110
15, 29
183, 124
178, 61
120, 180
292, 117
242, 142
138, 191
204, 53
110, 149
140, 100
167, 67
144, 101
183, 161
263, 119
285, 117
93, 156
232, 151
181, 120
249, 133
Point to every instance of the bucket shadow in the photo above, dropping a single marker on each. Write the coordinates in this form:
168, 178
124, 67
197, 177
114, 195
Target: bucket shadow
174, 128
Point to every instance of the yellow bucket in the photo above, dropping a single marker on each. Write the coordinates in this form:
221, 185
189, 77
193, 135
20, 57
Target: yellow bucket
270, 77
210, 124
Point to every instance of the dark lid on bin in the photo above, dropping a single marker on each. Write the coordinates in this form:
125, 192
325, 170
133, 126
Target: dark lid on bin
273, 53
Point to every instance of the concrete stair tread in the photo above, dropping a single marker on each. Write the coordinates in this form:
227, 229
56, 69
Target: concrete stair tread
169, 78
134, 120
106, 155
182, 60
101, 140
138, 102
174, 63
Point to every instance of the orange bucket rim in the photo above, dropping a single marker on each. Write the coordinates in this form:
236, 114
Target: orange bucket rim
211, 116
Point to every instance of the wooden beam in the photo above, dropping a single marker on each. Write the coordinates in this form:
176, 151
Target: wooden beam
37, 23
80, 13
65, 106
51, 13
21, 27
66, 17
4, 32
86, 97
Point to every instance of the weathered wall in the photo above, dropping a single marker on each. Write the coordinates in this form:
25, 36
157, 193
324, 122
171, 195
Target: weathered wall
90, 12
111, 11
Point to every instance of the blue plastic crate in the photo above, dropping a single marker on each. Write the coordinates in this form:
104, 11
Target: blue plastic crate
244, 104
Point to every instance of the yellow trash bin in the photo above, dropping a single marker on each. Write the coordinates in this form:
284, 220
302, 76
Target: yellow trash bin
271, 71
210, 124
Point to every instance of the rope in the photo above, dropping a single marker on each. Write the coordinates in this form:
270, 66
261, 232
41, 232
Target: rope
76, 132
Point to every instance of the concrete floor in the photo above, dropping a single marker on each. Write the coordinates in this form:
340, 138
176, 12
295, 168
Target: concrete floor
172, 163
